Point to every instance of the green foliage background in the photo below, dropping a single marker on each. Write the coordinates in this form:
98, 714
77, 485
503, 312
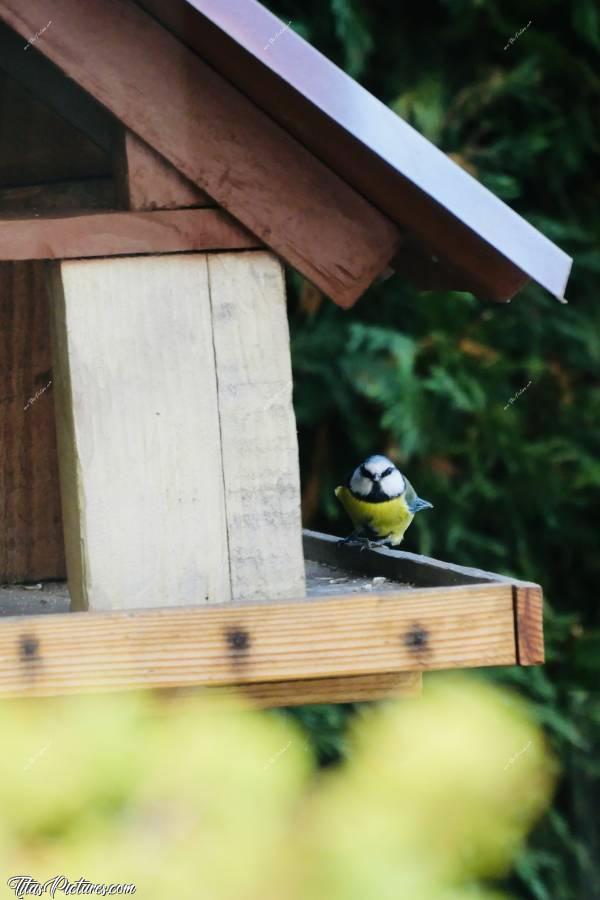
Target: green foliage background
432, 379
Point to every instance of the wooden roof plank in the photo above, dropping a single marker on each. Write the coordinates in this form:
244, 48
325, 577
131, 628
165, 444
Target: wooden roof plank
218, 139
376, 151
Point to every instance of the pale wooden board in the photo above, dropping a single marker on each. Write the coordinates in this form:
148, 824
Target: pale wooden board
31, 542
121, 233
400, 566
321, 580
226, 644
217, 138
147, 181
258, 425
138, 429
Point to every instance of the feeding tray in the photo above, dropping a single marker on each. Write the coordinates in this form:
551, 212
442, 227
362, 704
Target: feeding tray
371, 622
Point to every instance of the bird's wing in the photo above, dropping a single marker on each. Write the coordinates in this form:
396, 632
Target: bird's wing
410, 495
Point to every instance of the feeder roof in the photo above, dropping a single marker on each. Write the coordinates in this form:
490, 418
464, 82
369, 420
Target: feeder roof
296, 150
448, 216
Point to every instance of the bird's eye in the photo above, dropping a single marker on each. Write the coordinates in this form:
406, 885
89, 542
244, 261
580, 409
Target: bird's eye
365, 472
387, 472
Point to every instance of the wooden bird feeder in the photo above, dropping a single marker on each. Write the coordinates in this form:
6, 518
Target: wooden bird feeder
159, 160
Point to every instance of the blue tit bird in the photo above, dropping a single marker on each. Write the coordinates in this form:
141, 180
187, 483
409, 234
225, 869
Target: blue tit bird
380, 501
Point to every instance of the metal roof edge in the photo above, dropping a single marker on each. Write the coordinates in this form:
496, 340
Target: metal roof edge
388, 136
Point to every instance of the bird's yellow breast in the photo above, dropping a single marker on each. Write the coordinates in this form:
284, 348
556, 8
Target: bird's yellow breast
388, 519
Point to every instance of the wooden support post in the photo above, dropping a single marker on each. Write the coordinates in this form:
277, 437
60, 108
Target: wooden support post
164, 504
147, 181
31, 543
258, 426
138, 432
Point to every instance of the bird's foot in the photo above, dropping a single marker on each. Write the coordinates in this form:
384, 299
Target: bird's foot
377, 545
352, 539
364, 543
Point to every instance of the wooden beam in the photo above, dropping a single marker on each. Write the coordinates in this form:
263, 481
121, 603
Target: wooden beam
46, 82
121, 234
227, 644
147, 181
217, 138
258, 425
31, 541
138, 432
83, 194
350, 689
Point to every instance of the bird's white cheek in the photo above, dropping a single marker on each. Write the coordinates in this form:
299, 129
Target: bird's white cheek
393, 484
361, 485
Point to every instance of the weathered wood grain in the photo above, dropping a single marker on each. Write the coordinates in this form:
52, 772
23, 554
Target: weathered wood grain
421, 571
138, 432
83, 194
121, 233
258, 425
147, 181
350, 689
457, 627
217, 138
31, 543
529, 608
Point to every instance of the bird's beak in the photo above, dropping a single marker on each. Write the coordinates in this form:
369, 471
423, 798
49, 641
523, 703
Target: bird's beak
421, 504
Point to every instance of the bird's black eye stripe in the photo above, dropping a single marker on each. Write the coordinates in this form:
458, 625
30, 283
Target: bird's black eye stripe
365, 472
388, 471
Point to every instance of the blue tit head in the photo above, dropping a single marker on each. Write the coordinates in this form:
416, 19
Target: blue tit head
377, 479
